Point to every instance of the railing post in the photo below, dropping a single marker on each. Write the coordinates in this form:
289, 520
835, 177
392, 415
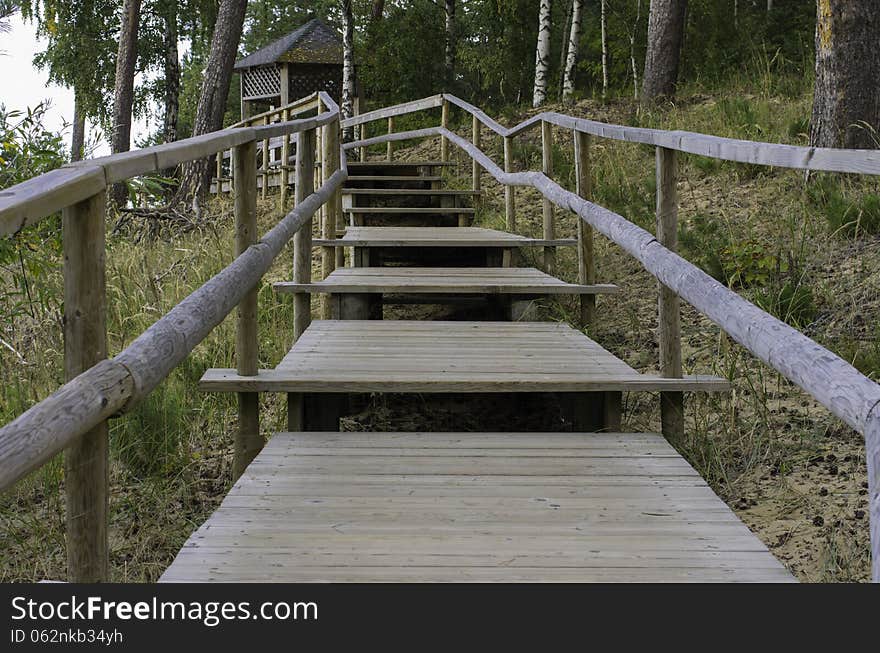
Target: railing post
671, 403
444, 122
302, 240
248, 441
330, 157
509, 197
477, 170
586, 256
389, 151
266, 155
362, 136
302, 260
547, 205
86, 466
285, 164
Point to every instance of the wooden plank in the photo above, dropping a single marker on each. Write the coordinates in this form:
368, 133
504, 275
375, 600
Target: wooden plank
392, 178
284, 522
416, 210
586, 254
443, 280
438, 237
407, 192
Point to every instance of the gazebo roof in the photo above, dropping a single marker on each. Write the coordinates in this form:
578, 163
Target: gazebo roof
314, 42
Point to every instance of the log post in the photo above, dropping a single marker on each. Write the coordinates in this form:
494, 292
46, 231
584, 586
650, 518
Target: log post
477, 170
363, 136
302, 240
302, 260
86, 476
330, 156
285, 164
547, 205
509, 197
671, 403
389, 151
266, 155
218, 159
444, 122
248, 441
586, 256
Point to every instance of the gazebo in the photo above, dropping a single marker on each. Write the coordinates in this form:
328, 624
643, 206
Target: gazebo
308, 59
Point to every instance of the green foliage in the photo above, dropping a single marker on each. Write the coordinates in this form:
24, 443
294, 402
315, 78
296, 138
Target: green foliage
792, 302
28, 149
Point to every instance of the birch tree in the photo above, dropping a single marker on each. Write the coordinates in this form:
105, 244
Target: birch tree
449, 54
574, 38
348, 81
542, 55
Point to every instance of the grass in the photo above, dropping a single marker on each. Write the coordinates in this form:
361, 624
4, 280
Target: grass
783, 244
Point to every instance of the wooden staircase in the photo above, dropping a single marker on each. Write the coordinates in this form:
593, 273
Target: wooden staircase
578, 506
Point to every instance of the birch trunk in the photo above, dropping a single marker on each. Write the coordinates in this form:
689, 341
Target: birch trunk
542, 55
172, 72
574, 38
604, 50
78, 131
846, 102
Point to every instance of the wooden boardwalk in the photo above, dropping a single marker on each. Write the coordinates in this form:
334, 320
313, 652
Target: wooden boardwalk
437, 507
592, 504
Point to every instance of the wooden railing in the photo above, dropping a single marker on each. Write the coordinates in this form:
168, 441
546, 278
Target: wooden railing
75, 416
833, 382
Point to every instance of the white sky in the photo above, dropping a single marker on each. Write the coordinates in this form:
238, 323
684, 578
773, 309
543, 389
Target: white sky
23, 86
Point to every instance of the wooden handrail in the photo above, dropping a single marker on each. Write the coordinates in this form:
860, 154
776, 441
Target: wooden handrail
833, 382
114, 386
301, 105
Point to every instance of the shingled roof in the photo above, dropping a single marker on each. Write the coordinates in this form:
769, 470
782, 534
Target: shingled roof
314, 42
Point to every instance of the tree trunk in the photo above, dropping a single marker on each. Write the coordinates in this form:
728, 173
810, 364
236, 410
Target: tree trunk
348, 81
449, 59
846, 103
172, 72
574, 38
212, 99
377, 10
665, 34
632, 50
78, 132
542, 55
123, 93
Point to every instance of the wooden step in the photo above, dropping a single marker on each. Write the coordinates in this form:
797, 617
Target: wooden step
411, 192
409, 210
392, 178
391, 165
510, 281
353, 356
437, 237
430, 507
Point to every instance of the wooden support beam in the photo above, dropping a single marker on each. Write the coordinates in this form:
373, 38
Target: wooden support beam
444, 122
248, 441
302, 258
330, 156
546, 203
509, 197
477, 170
302, 240
389, 151
285, 165
266, 155
86, 465
586, 255
671, 403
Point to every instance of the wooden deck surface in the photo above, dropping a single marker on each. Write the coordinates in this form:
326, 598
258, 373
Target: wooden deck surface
435, 237
502, 281
438, 356
508, 507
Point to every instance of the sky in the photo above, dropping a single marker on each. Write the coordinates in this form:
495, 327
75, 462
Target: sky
23, 86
